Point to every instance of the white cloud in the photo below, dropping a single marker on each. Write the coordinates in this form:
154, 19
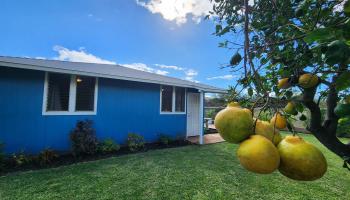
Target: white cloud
224, 77
178, 10
170, 67
191, 72
81, 55
191, 78
78, 56
144, 67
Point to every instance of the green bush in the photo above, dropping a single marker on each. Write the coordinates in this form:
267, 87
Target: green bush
20, 159
47, 156
2, 155
108, 146
343, 129
135, 142
164, 139
83, 138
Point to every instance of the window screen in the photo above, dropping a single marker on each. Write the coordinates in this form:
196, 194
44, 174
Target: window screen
167, 98
85, 97
58, 92
179, 99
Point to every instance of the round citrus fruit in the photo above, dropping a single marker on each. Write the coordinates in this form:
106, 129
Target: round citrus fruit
279, 121
301, 160
234, 124
283, 83
266, 129
233, 104
258, 154
308, 80
290, 108
277, 138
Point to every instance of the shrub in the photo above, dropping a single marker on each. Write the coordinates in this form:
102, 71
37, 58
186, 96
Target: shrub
135, 142
20, 159
164, 139
2, 155
343, 129
108, 146
83, 138
47, 156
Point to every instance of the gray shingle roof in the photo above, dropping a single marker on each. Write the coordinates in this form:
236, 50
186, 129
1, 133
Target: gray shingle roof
102, 70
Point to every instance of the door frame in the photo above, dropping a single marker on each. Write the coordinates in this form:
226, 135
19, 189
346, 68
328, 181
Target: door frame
200, 117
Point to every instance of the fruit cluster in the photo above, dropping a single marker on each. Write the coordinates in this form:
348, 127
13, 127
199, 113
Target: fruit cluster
262, 149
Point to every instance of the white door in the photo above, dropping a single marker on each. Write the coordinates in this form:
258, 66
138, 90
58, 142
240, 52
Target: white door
193, 125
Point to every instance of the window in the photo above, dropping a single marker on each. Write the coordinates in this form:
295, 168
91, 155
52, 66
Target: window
69, 94
58, 92
167, 99
85, 93
179, 99
173, 100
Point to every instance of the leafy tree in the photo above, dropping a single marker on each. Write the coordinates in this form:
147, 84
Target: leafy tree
286, 39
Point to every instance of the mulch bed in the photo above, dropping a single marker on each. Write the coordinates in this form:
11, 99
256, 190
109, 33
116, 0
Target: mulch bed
66, 158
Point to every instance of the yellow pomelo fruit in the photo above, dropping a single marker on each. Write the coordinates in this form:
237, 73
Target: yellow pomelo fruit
301, 160
258, 154
266, 129
308, 80
283, 83
234, 124
233, 104
279, 121
277, 138
290, 108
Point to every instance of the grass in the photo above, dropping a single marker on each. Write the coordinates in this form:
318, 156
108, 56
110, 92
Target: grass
191, 172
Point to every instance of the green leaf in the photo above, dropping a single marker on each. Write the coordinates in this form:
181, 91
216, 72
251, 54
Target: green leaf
218, 28
343, 81
250, 91
347, 8
236, 59
318, 34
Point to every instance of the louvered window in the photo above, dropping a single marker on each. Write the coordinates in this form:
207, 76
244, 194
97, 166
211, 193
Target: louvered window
179, 99
85, 93
167, 98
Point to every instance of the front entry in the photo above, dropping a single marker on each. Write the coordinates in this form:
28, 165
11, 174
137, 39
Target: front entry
193, 124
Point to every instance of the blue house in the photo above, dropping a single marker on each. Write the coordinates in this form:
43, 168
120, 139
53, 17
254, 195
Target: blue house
41, 101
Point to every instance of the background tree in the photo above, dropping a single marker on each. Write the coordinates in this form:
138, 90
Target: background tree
285, 39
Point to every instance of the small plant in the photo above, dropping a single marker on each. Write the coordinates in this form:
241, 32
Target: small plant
20, 159
2, 155
47, 156
164, 139
83, 138
108, 146
343, 127
135, 142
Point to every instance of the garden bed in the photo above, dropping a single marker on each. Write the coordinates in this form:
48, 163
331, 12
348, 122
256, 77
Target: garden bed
67, 158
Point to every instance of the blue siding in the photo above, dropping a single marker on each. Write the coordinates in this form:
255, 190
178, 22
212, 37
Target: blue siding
123, 107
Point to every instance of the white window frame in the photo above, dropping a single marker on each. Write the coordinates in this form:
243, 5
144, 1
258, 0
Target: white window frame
173, 102
72, 98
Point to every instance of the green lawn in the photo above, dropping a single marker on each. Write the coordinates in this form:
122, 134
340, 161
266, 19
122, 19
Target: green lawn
191, 172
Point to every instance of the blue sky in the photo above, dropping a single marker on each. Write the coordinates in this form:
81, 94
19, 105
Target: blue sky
159, 36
